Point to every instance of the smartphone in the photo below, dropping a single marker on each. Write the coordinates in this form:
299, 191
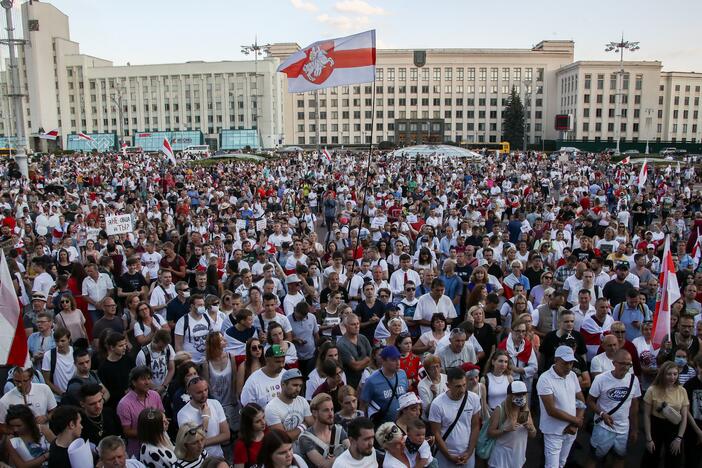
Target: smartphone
523, 417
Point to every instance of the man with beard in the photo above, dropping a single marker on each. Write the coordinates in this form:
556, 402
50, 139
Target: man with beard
289, 412
332, 436
361, 453
206, 412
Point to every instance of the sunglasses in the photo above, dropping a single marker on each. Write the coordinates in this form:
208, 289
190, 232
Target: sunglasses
256, 347
391, 434
410, 289
65, 302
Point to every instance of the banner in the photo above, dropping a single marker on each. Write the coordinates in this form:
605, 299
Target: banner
120, 224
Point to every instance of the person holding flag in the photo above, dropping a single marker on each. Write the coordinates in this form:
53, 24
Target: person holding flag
168, 151
668, 293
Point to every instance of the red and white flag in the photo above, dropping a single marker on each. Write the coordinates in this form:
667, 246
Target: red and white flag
168, 151
123, 149
83, 136
52, 135
643, 175
668, 293
13, 340
333, 62
326, 155
697, 250
626, 160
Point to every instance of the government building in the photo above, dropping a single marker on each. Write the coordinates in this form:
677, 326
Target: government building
419, 96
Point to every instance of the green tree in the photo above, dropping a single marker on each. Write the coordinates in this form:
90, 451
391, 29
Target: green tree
513, 121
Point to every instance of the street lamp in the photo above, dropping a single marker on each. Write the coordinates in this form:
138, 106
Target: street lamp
258, 50
120, 90
620, 47
527, 100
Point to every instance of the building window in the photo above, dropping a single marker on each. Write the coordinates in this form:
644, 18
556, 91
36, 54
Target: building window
588, 80
460, 74
471, 74
483, 74
505, 74
448, 73
403, 74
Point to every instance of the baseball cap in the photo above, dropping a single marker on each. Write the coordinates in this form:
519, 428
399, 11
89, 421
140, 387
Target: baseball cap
275, 351
290, 374
292, 279
390, 352
650, 246
38, 296
470, 369
565, 353
408, 399
517, 386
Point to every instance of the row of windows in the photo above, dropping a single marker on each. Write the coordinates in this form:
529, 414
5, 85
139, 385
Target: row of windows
357, 139
356, 102
638, 83
460, 73
635, 127
379, 114
459, 126
167, 120
599, 99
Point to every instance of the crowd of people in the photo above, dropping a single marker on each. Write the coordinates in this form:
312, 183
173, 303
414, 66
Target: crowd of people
299, 312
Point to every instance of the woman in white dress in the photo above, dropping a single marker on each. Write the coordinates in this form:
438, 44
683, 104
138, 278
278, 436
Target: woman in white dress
510, 426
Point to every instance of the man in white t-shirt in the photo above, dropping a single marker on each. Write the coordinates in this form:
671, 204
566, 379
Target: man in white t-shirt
618, 388
58, 366
191, 330
162, 293
150, 260
42, 281
604, 362
159, 356
208, 413
289, 412
562, 407
38, 397
459, 446
432, 303
361, 453
295, 295
264, 385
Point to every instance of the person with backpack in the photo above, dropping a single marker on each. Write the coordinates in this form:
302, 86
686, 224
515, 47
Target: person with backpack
323, 441
57, 365
632, 314
84, 375
192, 329
159, 356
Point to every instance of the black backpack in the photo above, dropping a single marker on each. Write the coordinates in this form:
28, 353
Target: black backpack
147, 355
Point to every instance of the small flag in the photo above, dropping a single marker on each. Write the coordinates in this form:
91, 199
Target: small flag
168, 151
668, 293
326, 155
124, 149
13, 340
642, 175
83, 136
697, 250
333, 62
626, 160
52, 135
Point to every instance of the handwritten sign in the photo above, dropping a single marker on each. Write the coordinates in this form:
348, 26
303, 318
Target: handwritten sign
261, 225
120, 224
240, 224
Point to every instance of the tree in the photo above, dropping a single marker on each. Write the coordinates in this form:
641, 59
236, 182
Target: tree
513, 121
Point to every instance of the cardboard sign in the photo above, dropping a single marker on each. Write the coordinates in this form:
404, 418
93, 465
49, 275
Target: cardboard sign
261, 225
120, 224
240, 224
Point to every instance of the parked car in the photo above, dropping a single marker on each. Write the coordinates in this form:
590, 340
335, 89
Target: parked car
631, 152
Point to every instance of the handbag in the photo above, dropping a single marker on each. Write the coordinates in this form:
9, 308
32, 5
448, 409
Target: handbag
485, 442
672, 415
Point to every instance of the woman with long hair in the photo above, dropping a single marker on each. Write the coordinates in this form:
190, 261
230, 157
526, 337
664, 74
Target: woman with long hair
477, 297
90, 253
254, 361
348, 400
511, 425
665, 417
496, 381
63, 265
29, 445
177, 389
251, 433
157, 450
146, 324
480, 276
190, 446
75, 285
522, 357
327, 350
219, 371
276, 335
71, 318
428, 341
409, 362
277, 451
425, 262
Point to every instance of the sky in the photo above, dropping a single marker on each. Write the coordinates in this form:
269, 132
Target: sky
173, 31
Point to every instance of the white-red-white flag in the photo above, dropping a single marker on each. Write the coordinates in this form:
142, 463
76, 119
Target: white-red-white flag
332, 62
643, 174
668, 293
83, 136
326, 155
625, 160
697, 250
123, 149
13, 340
52, 135
168, 151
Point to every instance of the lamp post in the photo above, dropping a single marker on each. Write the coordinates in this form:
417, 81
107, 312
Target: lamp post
259, 49
117, 101
648, 127
527, 100
620, 47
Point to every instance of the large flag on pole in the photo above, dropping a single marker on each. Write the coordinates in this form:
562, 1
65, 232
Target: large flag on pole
643, 175
13, 340
333, 62
168, 151
326, 155
668, 293
52, 135
697, 250
85, 137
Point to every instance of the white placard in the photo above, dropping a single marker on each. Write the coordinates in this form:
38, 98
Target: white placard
120, 224
240, 224
411, 218
261, 225
80, 455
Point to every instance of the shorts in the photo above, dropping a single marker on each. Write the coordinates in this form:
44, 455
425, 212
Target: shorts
603, 441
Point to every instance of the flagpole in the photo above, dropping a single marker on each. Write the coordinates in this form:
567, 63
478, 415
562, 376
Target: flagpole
316, 119
368, 163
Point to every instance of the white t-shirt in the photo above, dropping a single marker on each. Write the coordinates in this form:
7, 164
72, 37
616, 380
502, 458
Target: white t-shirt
160, 297
65, 368
291, 301
146, 330
427, 306
563, 391
260, 389
609, 391
43, 283
346, 460
289, 415
279, 318
190, 414
40, 400
194, 338
159, 365
151, 262
444, 410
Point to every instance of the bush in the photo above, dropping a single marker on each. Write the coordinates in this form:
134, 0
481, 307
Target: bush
386, 145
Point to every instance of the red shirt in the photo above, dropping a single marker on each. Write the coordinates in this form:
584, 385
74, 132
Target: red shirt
246, 455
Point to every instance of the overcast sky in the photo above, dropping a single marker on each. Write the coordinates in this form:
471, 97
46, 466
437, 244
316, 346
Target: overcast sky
168, 31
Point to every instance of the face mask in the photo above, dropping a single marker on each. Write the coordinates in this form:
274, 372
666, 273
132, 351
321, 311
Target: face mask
680, 361
519, 401
186, 294
214, 309
201, 310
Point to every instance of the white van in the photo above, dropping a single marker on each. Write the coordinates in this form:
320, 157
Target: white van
198, 150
